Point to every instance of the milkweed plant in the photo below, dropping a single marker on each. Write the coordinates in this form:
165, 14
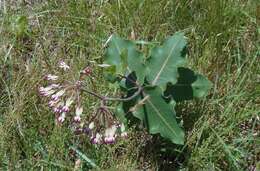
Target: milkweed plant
149, 85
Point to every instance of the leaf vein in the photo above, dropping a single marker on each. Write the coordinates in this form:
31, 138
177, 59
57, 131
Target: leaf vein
164, 64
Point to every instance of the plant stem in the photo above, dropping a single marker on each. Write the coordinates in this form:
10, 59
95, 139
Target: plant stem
93, 93
125, 99
105, 98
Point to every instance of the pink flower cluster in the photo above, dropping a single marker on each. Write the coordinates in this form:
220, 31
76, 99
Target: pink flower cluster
64, 98
61, 97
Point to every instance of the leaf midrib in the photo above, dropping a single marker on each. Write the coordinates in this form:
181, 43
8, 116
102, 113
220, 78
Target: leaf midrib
159, 114
164, 64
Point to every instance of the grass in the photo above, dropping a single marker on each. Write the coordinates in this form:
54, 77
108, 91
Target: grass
222, 130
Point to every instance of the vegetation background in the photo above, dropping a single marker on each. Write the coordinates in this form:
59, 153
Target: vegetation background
222, 130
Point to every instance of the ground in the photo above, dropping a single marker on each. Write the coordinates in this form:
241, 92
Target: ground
222, 130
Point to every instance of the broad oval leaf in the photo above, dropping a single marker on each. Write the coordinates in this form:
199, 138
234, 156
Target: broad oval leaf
164, 61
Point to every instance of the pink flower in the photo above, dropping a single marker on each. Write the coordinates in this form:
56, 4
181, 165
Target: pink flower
78, 112
57, 108
51, 77
49, 90
109, 140
65, 109
46, 91
52, 103
110, 134
77, 118
68, 102
57, 95
96, 139
61, 118
43, 89
63, 66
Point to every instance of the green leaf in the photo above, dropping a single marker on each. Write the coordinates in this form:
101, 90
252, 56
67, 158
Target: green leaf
190, 85
83, 156
123, 55
109, 73
201, 86
20, 26
136, 64
120, 114
164, 61
158, 116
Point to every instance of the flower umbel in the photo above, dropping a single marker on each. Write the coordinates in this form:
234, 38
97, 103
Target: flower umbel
65, 100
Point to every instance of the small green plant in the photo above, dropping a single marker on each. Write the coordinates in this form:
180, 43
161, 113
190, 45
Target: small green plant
150, 86
20, 26
153, 84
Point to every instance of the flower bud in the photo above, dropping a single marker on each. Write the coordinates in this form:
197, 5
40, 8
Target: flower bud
109, 140
65, 109
46, 91
87, 71
77, 118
